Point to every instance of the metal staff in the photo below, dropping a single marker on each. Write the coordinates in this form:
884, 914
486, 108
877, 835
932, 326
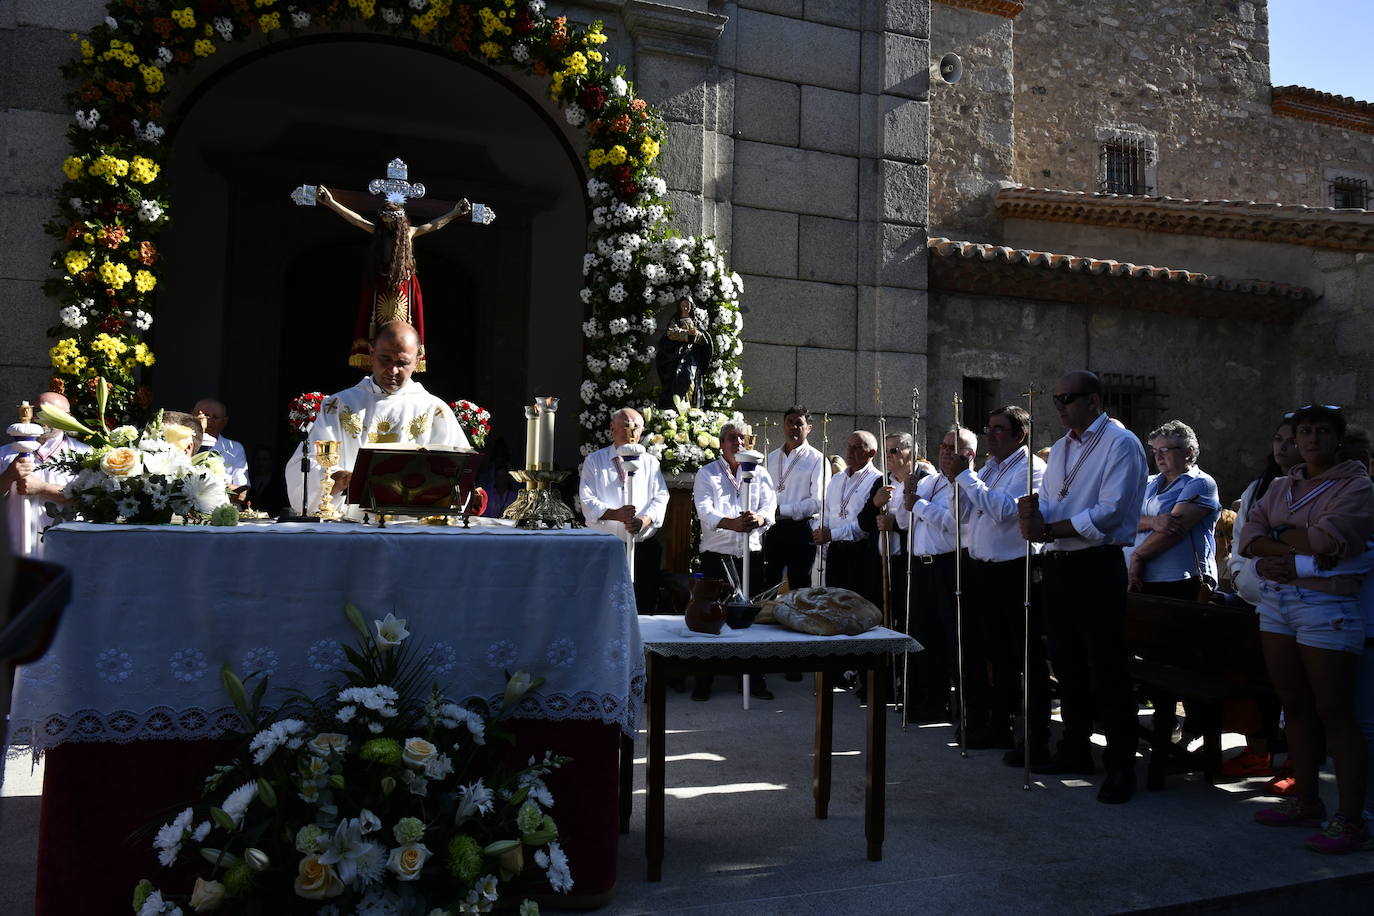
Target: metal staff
748, 460
629, 458
958, 594
884, 538
1026, 606
910, 545
825, 485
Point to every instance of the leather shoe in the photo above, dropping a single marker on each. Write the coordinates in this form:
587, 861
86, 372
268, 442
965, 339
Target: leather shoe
1061, 764
1117, 788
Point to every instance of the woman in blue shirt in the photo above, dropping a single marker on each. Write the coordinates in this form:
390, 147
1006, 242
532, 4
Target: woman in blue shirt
1175, 547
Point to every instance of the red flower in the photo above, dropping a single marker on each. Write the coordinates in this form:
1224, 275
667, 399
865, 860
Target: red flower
622, 176
523, 23
593, 98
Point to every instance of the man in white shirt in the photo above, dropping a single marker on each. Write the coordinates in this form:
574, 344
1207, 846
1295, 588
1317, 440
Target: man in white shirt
851, 556
29, 481
797, 469
1086, 512
235, 458
387, 406
730, 516
602, 492
995, 598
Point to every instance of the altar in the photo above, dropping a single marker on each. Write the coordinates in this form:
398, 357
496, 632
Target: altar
156, 611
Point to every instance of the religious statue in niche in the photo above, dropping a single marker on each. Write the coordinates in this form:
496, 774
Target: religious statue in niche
391, 285
683, 355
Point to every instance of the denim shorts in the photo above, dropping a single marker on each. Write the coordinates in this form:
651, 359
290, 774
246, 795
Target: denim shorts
1318, 619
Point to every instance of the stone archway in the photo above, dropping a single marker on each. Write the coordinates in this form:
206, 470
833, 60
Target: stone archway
278, 284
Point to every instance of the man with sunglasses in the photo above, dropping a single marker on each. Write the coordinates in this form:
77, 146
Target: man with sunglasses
996, 576
1086, 511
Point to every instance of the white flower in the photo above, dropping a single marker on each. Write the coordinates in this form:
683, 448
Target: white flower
87, 120
616, 293
169, 837
655, 212
149, 211
555, 865
474, 798
536, 7
604, 248
155, 905
142, 320
71, 316
520, 52
127, 508
439, 767
596, 188
351, 855
585, 294
589, 261
300, 19
225, 27
164, 56
574, 114
111, 22
619, 325
285, 732
392, 17
391, 631
618, 85
205, 489
620, 363
346, 714
418, 4
406, 861
152, 132
657, 186
236, 805
588, 391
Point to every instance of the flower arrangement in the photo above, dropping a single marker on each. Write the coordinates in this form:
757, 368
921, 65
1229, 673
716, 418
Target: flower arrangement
113, 205
683, 438
140, 476
476, 421
382, 798
302, 411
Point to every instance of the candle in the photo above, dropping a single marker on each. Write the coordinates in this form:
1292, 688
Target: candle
547, 408
532, 437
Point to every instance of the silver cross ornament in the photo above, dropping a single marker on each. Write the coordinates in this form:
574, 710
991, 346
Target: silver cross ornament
395, 187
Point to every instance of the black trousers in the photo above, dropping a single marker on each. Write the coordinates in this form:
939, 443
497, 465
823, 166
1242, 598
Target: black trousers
788, 548
996, 603
713, 566
934, 624
648, 573
1085, 619
855, 565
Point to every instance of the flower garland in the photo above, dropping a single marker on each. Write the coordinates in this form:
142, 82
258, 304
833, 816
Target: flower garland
113, 205
302, 411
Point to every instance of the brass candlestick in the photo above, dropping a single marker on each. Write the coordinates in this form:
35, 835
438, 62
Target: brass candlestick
539, 504
327, 455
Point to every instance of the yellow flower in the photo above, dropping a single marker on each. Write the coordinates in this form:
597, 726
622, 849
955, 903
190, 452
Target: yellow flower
88, 238
71, 167
649, 149
556, 85
116, 275
596, 158
596, 37
490, 50
186, 17
616, 154
143, 169
87, 50
594, 55
144, 281
76, 261
203, 47
79, 363
153, 80
270, 22
143, 355
575, 63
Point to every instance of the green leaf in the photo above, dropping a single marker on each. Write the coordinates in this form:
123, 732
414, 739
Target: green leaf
266, 793
500, 846
222, 818
355, 617
234, 687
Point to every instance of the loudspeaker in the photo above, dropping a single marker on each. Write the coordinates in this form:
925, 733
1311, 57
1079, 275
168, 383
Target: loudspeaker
949, 70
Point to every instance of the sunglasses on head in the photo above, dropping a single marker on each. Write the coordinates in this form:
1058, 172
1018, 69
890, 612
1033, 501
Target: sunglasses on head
1334, 408
1066, 399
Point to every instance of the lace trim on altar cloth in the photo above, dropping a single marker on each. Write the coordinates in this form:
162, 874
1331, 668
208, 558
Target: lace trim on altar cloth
163, 723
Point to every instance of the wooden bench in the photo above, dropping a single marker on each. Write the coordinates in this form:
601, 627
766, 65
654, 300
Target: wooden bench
1202, 654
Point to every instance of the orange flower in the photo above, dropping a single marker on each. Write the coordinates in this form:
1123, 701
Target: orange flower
90, 91
147, 254
74, 231
112, 236
637, 105
182, 57
155, 110
162, 25
57, 385
595, 126
621, 124
558, 40
121, 91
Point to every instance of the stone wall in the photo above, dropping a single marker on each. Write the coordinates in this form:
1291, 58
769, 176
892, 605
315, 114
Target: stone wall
1209, 369
970, 121
829, 201
1194, 76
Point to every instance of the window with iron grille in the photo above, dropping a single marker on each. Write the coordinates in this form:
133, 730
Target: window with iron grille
980, 399
1127, 165
1349, 193
1135, 400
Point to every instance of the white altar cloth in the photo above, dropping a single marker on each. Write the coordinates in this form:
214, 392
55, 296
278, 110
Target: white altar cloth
157, 610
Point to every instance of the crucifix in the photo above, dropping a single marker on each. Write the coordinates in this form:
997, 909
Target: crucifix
391, 291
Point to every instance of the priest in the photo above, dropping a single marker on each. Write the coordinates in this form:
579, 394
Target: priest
386, 407
29, 481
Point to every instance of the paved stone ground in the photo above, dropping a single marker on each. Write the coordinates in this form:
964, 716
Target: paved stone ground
962, 834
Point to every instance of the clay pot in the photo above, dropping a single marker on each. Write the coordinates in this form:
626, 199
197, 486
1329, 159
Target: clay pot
704, 612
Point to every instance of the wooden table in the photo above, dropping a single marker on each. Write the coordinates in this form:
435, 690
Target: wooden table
673, 651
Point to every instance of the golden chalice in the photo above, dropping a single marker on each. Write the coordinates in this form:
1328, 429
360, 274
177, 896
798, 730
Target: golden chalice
327, 456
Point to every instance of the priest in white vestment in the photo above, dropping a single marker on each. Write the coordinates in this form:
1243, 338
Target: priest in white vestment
386, 407
29, 481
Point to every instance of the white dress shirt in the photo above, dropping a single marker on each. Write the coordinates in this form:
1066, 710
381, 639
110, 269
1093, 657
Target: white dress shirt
1097, 483
235, 461
719, 495
988, 503
845, 497
601, 489
27, 516
798, 478
933, 516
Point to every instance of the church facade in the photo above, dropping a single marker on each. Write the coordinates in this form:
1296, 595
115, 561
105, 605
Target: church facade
893, 230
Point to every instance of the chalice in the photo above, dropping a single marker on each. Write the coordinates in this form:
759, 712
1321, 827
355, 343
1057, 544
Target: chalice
327, 456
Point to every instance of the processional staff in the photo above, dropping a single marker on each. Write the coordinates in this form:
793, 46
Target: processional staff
958, 592
910, 547
1029, 395
825, 486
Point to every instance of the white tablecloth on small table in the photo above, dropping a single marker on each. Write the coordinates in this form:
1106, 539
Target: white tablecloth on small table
668, 635
157, 610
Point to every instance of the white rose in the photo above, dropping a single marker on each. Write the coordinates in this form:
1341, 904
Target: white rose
418, 752
326, 743
121, 462
406, 861
207, 895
